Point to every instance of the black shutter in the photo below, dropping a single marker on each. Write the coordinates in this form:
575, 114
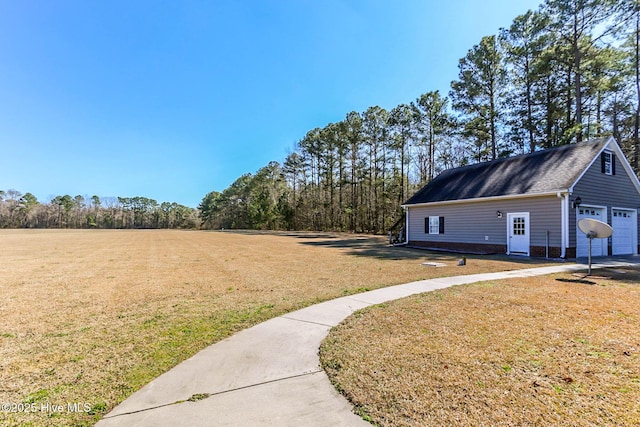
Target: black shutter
613, 164
441, 220
602, 162
426, 225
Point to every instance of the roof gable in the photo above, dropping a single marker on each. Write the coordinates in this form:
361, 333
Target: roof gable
613, 146
546, 171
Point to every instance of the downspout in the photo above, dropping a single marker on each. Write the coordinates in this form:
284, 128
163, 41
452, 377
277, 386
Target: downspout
406, 225
564, 228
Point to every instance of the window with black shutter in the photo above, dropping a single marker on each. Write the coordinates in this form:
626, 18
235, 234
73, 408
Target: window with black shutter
608, 163
434, 225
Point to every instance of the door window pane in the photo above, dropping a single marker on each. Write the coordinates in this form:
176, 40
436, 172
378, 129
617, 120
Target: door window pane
518, 226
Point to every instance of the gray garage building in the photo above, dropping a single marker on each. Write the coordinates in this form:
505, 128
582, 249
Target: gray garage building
530, 204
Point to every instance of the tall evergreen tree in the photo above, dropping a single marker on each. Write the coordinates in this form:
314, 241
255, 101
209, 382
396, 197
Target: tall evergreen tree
400, 121
631, 14
477, 94
433, 122
354, 137
375, 131
575, 23
523, 43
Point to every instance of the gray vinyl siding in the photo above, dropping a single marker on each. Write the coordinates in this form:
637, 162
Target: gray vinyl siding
598, 189
478, 222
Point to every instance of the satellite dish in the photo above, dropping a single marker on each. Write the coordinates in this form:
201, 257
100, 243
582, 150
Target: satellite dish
594, 229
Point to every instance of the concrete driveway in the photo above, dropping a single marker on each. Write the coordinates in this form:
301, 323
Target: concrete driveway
270, 375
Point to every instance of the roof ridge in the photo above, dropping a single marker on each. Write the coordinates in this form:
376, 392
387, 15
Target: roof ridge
526, 173
592, 141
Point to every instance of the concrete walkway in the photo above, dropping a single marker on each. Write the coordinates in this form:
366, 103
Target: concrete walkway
270, 375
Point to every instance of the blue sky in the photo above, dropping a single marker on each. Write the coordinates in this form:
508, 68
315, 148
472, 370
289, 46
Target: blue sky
173, 99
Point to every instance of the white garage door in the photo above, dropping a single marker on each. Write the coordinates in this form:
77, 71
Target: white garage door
598, 246
622, 222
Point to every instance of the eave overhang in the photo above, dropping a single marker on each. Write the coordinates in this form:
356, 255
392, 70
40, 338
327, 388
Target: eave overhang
553, 193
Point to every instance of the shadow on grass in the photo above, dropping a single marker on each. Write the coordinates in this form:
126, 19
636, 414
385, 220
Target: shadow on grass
379, 248
628, 275
582, 281
298, 234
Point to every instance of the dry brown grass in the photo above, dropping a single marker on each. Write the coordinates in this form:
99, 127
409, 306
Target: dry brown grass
91, 316
555, 350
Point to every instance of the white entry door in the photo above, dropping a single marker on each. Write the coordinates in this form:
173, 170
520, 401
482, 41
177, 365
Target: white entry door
518, 233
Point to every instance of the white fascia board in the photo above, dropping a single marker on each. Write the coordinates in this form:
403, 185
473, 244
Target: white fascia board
488, 199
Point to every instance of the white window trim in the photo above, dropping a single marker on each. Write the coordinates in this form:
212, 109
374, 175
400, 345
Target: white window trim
608, 165
434, 224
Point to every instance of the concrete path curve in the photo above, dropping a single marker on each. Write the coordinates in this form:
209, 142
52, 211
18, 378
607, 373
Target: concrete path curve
270, 375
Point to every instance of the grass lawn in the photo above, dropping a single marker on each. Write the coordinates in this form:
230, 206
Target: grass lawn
90, 316
553, 350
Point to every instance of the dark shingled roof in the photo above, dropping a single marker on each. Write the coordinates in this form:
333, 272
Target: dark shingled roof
543, 171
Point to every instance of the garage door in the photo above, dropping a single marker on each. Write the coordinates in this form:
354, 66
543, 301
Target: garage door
622, 222
598, 246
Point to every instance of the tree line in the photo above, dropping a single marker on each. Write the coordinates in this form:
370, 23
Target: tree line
19, 210
565, 73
